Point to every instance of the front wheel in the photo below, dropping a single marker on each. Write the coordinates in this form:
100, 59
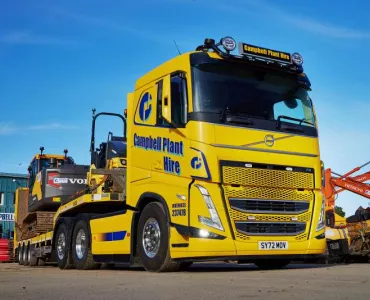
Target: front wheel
153, 240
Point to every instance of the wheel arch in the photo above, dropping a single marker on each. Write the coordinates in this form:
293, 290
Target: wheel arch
145, 199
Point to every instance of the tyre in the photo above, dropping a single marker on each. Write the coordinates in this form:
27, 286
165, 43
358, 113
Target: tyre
20, 255
272, 264
63, 255
32, 257
25, 255
81, 247
153, 240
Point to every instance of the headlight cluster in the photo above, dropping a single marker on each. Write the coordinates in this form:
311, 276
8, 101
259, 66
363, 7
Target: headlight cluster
214, 221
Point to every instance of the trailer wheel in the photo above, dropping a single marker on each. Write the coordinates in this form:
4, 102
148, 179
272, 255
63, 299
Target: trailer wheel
61, 247
81, 247
20, 254
32, 257
25, 255
153, 240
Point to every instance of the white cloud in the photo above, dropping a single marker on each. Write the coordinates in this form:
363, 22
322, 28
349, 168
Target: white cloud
110, 25
18, 37
248, 7
6, 128
9, 128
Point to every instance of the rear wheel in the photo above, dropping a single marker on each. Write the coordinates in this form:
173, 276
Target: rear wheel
20, 255
272, 263
61, 247
32, 257
81, 247
25, 255
153, 240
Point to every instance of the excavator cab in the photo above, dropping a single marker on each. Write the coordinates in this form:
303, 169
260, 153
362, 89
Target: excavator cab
43, 161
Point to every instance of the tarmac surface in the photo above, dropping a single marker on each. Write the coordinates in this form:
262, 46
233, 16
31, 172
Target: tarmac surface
201, 281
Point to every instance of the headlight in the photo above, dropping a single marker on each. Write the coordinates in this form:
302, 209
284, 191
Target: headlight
214, 221
321, 222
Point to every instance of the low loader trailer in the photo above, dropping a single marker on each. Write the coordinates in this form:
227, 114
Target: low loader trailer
220, 161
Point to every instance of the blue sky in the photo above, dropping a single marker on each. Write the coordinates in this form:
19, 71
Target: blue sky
59, 59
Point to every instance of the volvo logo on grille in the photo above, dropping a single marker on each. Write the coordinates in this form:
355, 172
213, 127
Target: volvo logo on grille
269, 140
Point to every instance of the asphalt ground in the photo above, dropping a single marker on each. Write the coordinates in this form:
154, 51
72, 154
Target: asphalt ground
201, 281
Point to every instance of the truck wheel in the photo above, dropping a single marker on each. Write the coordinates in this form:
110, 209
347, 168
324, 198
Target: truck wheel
32, 259
153, 240
272, 263
62, 252
20, 255
25, 255
81, 247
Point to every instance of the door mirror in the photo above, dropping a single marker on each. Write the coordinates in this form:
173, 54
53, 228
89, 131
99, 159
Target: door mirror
166, 100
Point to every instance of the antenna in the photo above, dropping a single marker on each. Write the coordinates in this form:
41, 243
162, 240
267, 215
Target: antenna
178, 50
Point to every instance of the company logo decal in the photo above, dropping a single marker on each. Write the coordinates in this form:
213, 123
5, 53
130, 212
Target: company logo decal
145, 107
165, 145
269, 140
196, 163
56, 182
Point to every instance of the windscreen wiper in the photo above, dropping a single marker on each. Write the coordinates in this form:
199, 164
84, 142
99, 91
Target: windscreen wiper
292, 119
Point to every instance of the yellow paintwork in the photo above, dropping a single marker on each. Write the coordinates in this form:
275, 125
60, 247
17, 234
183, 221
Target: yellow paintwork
104, 226
83, 200
339, 220
146, 167
208, 144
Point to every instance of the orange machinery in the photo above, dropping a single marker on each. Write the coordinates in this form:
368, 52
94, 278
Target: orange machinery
351, 237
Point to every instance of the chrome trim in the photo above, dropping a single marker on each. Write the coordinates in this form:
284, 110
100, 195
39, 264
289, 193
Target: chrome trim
270, 234
271, 211
262, 142
264, 150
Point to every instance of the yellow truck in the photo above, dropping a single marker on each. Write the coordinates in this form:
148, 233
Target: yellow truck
221, 162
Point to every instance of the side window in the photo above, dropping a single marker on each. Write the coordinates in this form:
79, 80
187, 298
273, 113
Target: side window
160, 120
2, 199
179, 107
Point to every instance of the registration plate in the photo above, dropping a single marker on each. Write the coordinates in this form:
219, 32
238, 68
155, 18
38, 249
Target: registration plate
273, 245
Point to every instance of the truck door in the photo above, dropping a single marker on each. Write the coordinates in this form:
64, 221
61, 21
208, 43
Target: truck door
160, 143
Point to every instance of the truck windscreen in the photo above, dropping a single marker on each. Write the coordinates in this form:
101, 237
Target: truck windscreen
266, 98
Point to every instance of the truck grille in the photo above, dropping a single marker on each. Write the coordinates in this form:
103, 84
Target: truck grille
265, 228
249, 174
269, 206
268, 199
